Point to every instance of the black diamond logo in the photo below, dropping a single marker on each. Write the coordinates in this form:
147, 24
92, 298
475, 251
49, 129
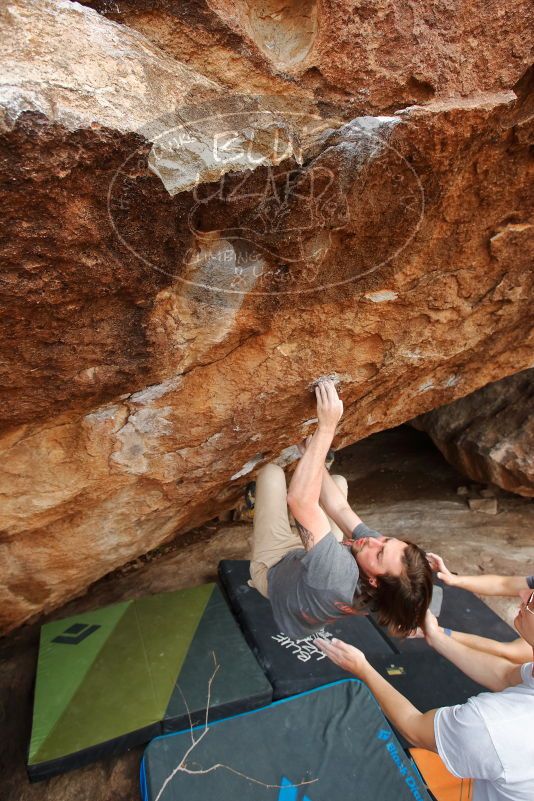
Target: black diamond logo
76, 633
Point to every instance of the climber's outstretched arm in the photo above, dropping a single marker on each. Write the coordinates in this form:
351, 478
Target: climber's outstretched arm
336, 505
305, 485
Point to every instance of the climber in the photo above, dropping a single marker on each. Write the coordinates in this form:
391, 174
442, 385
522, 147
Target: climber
517, 651
488, 737
336, 565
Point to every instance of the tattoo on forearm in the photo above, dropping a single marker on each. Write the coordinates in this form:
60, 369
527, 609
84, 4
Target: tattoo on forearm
305, 535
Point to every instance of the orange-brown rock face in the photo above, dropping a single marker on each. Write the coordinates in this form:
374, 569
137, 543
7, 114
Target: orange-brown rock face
489, 435
371, 57
180, 261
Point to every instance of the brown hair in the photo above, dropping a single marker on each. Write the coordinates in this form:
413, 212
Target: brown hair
400, 602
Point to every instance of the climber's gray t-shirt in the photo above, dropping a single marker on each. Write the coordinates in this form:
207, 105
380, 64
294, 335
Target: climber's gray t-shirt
530, 582
309, 589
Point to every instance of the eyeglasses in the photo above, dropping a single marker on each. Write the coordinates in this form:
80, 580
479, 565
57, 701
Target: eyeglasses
529, 606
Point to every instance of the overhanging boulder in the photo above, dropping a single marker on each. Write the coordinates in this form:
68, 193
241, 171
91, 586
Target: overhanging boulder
160, 337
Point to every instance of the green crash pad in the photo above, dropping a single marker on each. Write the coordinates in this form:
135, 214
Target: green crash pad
118, 676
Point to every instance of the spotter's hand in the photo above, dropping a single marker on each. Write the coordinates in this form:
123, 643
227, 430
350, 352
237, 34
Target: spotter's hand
431, 628
346, 656
438, 566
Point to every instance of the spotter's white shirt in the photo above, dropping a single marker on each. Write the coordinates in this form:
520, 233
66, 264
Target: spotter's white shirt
490, 739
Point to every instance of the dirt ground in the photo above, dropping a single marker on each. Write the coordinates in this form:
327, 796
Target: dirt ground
398, 483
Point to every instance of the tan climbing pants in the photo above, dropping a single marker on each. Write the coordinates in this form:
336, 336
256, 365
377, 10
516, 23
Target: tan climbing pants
273, 535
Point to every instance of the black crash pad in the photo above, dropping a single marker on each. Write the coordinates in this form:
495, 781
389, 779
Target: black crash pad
292, 667
329, 743
427, 679
421, 674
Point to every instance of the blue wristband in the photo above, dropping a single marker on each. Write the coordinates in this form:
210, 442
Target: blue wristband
448, 632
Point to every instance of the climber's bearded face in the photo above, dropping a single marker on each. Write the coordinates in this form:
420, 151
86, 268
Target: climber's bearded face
379, 556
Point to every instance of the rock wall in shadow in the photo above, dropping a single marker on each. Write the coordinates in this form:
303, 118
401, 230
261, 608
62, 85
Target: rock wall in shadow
489, 435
